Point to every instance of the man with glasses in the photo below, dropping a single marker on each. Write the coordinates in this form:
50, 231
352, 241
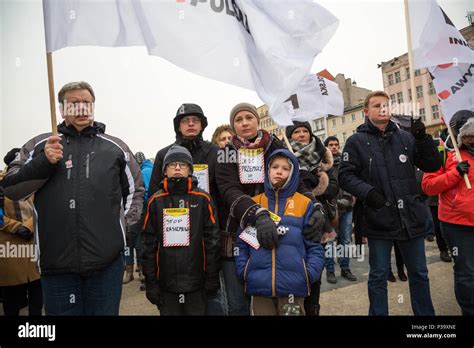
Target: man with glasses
189, 124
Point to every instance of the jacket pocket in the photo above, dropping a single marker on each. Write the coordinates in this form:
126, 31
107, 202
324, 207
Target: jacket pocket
381, 219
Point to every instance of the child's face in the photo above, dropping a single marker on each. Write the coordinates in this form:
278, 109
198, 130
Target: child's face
279, 171
177, 169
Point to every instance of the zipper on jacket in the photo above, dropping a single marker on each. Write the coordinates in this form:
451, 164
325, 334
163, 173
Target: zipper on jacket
69, 169
274, 254
370, 168
87, 167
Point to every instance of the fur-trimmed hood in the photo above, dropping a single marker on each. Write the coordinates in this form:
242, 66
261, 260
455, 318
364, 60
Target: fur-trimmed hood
466, 129
325, 165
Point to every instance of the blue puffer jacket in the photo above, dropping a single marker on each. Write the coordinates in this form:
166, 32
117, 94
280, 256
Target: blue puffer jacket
296, 263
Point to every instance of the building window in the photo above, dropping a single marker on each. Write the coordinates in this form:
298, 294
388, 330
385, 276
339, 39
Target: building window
417, 72
344, 137
393, 99
407, 71
435, 112
422, 114
432, 90
343, 120
390, 79
334, 123
399, 97
362, 114
409, 94
419, 92
397, 77
353, 117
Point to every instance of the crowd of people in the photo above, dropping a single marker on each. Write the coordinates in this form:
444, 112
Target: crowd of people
242, 225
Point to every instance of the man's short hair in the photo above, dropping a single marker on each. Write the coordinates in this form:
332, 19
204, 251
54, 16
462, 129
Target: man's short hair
330, 138
374, 94
73, 86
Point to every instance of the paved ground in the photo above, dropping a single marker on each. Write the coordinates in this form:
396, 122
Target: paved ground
345, 297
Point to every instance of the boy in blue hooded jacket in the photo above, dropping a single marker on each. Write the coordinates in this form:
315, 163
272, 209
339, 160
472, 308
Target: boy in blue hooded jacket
280, 279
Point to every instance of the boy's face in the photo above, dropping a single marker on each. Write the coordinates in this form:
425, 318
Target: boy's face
177, 169
279, 171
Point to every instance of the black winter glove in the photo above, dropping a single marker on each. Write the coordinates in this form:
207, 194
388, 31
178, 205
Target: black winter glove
153, 294
24, 233
267, 235
418, 129
309, 179
375, 199
463, 168
314, 230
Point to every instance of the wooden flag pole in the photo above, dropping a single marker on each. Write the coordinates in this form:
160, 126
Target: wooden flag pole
49, 63
52, 106
414, 111
413, 94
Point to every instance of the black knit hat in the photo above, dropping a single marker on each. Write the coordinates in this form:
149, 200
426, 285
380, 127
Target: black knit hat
459, 119
10, 156
178, 153
298, 124
140, 157
186, 110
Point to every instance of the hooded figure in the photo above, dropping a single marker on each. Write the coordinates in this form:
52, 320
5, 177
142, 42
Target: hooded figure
203, 152
296, 263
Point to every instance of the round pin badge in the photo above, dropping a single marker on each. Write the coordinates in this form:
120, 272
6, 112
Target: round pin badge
403, 158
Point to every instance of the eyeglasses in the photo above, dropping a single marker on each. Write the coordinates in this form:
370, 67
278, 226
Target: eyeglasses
192, 119
173, 165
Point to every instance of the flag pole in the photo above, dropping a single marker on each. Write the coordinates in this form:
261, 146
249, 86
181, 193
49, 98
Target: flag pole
410, 61
49, 63
52, 107
458, 154
288, 145
413, 94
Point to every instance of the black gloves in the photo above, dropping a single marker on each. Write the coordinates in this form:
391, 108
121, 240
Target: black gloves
24, 233
418, 129
309, 179
463, 168
314, 230
153, 294
267, 235
375, 199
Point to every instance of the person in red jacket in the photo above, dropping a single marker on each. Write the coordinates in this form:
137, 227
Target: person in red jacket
456, 207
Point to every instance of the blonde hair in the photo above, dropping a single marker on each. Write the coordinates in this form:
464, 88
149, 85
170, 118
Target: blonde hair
374, 94
219, 130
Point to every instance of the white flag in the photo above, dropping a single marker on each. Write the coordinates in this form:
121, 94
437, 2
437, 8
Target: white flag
315, 97
440, 47
266, 46
454, 85
435, 39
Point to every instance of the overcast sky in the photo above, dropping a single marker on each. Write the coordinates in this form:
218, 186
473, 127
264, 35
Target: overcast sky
138, 95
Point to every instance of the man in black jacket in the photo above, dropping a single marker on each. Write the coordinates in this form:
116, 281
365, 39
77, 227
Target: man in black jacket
189, 124
378, 167
88, 189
